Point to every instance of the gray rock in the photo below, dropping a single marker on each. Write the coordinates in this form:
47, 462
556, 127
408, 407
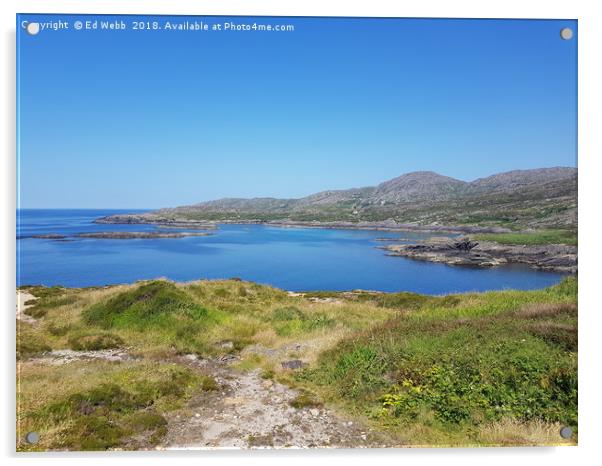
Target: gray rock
556, 257
293, 364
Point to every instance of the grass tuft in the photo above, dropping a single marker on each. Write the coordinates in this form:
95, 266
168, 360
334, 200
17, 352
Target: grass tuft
95, 342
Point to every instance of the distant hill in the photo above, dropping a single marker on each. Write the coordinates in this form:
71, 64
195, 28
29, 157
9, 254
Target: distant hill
538, 198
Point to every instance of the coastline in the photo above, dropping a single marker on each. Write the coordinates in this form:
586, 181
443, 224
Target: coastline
553, 257
164, 222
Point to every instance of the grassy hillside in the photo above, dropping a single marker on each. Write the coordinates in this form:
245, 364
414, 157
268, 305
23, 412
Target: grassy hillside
540, 237
531, 198
543, 198
485, 368
460, 373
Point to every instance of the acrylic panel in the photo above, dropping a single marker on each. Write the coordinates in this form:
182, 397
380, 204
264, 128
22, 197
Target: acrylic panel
295, 232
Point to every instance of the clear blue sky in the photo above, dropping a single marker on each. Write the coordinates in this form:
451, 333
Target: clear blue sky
130, 119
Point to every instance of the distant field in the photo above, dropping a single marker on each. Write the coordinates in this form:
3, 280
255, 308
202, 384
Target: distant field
535, 238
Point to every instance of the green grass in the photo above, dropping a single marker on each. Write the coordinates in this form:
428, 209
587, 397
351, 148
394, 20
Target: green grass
30, 344
475, 368
46, 302
494, 356
95, 342
153, 304
120, 411
306, 399
541, 237
160, 308
289, 321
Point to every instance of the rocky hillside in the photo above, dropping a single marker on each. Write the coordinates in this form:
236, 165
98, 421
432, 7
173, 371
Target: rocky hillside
539, 198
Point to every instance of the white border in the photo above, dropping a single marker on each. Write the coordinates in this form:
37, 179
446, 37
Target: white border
590, 154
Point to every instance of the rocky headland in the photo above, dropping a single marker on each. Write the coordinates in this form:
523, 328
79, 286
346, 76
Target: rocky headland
464, 252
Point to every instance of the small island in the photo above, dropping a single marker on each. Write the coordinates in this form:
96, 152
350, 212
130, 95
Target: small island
140, 234
120, 235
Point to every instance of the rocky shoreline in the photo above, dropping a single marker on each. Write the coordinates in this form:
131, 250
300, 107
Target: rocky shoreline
140, 234
120, 235
388, 225
552, 257
153, 219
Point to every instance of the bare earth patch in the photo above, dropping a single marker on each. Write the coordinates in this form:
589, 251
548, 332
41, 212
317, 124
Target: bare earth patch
22, 298
250, 412
66, 356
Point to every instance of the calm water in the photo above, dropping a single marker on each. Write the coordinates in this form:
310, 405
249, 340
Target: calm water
289, 258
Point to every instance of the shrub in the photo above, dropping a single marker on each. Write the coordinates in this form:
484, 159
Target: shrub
209, 384
58, 330
29, 345
500, 355
48, 301
153, 304
306, 399
146, 422
95, 342
109, 415
92, 433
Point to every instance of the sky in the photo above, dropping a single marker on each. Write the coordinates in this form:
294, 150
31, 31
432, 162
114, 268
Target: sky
159, 118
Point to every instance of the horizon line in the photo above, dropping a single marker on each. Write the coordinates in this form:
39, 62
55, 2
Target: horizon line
293, 198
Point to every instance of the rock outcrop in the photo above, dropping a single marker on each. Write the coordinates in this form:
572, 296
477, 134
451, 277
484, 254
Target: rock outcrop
553, 257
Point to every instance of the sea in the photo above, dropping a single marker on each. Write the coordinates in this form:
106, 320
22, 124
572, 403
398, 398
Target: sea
295, 259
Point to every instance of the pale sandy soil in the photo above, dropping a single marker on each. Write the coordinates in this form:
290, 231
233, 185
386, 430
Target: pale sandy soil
66, 356
22, 298
250, 412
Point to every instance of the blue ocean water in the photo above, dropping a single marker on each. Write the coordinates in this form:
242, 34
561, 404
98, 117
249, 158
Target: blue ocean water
298, 259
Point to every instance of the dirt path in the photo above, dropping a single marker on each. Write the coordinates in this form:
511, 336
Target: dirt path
22, 298
250, 412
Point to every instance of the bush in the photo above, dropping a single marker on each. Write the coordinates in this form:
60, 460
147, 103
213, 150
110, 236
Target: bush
306, 399
500, 355
109, 415
95, 342
58, 330
153, 304
146, 422
29, 345
92, 433
48, 298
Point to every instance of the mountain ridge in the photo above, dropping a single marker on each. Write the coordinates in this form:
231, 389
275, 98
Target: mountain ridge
543, 197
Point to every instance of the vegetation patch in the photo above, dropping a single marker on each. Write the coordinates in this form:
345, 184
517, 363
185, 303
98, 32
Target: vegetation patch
58, 330
159, 307
403, 300
458, 369
29, 344
126, 411
208, 384
290, 320
499, 355
157, 303
48, 299
94, 342
539, 237
306, 399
